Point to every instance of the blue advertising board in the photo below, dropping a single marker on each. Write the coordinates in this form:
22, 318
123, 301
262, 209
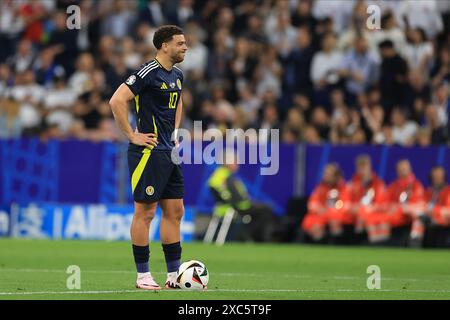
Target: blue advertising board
74, 171
93, 222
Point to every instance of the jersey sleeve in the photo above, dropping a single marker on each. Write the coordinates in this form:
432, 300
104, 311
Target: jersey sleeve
135, 83
141, 78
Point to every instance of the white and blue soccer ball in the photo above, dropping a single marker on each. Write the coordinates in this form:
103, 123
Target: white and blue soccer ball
193, 275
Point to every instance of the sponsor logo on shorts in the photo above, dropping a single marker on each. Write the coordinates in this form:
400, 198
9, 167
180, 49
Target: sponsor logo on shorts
150, 190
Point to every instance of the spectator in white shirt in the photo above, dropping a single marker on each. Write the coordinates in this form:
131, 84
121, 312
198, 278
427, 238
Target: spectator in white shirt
132, 58
58, 102
418, 52
326, 63
357, 27
422, 14
11, 25
185, 11
194, 63
390, 31
24, 57
29, 95
81, 81
269, 72
338, 10
249, 103
284, 36
403, 129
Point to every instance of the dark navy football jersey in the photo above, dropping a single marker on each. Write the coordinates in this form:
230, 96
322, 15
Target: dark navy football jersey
157, 92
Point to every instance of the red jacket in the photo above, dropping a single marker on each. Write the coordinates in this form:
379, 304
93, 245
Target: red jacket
408, 191
370, 194
326, 196
438, 200
35, 13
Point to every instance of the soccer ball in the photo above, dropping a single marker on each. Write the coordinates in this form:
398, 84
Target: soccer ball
193, 275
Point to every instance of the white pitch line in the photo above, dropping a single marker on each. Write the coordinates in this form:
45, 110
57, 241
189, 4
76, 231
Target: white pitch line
217, 290
63, 271
224, 274
384, 279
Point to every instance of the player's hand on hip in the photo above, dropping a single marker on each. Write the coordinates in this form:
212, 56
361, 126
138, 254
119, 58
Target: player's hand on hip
144, 139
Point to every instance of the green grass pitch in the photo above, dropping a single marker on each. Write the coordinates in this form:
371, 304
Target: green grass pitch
36, 269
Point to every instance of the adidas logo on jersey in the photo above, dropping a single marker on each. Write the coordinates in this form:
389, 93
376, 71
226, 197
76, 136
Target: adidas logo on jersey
164, 85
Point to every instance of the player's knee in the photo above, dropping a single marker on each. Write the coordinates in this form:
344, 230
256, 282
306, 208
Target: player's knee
177, 214
146, 215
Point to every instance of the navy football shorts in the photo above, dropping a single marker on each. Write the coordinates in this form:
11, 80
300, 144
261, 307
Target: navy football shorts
154, 176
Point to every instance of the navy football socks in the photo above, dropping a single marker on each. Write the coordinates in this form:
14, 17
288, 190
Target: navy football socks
141, 256
172, 253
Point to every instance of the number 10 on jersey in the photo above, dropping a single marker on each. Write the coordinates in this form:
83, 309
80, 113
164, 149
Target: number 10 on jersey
173, 100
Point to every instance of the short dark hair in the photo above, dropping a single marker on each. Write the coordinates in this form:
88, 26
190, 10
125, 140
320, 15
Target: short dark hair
404, 111
385, 18
386, 44
165, 34
337, 169
434, 169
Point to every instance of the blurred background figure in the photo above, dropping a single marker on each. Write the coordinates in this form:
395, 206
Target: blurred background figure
405, 203
325, 69
328, 207
436, 220
367, 195
255, 221
360, 68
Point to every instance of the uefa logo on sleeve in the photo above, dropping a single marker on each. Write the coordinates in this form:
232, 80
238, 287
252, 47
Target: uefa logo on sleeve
131, 79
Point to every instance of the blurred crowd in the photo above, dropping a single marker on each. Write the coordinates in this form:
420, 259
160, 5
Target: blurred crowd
311, 68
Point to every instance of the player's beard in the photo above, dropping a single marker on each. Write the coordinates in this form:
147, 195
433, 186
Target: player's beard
178, 58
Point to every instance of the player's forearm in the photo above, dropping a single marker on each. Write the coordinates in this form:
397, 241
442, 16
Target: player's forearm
178, 114
120, 111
